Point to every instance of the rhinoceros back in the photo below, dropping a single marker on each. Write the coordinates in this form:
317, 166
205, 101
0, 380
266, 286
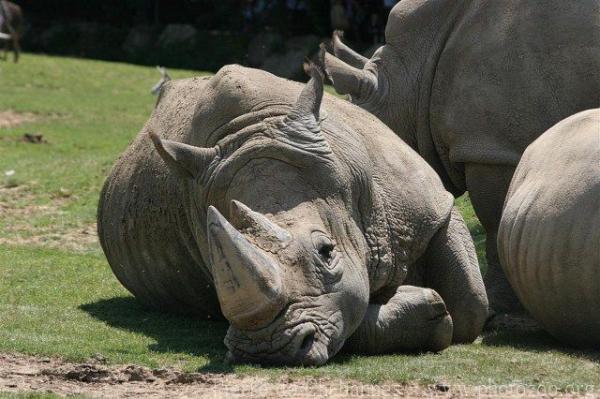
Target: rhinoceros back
142, 223
510, 70
550, 230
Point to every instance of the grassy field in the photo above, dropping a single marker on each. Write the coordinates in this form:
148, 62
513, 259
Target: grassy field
58, 296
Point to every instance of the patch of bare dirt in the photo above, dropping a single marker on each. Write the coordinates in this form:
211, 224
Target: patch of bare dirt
17, 206
20, 373
11, 118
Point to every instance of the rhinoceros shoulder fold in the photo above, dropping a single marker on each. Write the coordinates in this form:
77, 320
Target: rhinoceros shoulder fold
403, 177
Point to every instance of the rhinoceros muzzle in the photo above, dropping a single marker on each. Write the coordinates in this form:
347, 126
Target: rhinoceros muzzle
248, 281
279, 344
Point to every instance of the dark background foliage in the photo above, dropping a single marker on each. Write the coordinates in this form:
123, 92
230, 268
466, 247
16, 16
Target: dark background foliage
195, 34
209, 14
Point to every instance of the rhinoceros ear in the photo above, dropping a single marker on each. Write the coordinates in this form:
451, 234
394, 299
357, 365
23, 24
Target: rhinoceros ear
308, 105
301, 127
345, 53
186, 160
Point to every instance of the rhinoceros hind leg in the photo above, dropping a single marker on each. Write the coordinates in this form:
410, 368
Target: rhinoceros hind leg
487, 186
500, 293
413, 319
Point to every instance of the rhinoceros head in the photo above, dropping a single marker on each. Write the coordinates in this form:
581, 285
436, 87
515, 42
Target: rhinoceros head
290, 274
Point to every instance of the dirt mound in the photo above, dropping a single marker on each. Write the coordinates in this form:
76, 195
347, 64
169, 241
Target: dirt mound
93, 373
20, 373
34, 138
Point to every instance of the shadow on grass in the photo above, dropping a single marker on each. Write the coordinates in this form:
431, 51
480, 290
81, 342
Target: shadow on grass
189, 335
535, 341
173, 333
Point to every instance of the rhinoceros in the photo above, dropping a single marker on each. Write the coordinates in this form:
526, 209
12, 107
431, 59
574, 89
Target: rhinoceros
550, 230
470, 84
11, 28
300, 218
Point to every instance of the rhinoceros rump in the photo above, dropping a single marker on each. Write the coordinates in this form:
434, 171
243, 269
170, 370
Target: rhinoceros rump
470, 84
550, 230
298, 217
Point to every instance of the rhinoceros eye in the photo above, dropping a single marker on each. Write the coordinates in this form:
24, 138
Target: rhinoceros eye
328, 257
326, 252
324, 246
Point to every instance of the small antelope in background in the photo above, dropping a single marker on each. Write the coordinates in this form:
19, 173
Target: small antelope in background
11, 27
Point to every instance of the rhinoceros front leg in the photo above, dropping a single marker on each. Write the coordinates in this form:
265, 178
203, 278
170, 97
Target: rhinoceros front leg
451, 268
413, 319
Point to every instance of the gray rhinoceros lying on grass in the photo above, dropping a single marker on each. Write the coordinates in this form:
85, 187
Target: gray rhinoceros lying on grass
549, 235
300, 223
470, 84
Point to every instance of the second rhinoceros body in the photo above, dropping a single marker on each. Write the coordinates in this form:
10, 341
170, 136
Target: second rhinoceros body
299, 223
470, 84
549, 235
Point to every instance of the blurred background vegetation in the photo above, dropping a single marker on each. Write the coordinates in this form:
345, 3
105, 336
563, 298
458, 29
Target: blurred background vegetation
274, 35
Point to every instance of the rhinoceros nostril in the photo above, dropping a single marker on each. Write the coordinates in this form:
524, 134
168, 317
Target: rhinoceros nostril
307, 342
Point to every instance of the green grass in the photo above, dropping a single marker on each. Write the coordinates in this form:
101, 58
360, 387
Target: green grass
56, 301
477, 232
88, 112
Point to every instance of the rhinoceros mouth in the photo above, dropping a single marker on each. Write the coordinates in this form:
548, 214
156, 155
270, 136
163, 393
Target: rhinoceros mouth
307, 343
304, 348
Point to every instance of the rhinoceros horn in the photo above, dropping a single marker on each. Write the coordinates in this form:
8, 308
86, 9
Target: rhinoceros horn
349, 80
247, 280
345, 53
186, 160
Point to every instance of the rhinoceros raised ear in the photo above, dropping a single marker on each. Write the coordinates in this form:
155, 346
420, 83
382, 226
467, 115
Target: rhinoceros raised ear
302, 125
345, 53
308, 105
186, 160
346, 79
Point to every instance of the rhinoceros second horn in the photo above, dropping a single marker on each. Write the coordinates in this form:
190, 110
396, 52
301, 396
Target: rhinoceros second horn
244, 217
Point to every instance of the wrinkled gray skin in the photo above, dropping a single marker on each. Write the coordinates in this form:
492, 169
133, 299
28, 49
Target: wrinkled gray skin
301, 223
550, 230
470, 84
